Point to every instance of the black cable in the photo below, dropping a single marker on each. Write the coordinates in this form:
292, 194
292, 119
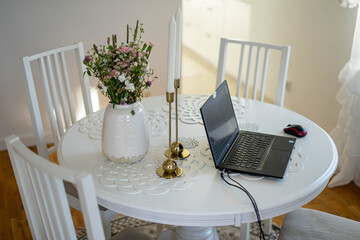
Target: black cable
239, 186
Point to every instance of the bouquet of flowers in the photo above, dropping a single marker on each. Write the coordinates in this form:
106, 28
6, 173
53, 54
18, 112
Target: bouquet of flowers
123, 69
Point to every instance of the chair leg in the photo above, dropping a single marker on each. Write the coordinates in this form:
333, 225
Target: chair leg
106, 217
268, 226
245, 231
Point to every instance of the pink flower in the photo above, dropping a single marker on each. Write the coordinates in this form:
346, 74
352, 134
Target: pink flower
152, 44
134, 53
124, 64
135, 64
140, 54
125, 49
107, 77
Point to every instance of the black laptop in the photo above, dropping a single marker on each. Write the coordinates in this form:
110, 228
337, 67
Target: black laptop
242, 151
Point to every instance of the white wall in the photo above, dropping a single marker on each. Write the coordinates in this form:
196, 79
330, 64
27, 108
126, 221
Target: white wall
320, 34
29, 27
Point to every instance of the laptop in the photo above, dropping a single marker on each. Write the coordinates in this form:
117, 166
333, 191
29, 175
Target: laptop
242, 151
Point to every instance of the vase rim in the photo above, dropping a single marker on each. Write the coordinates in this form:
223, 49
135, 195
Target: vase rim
125, 105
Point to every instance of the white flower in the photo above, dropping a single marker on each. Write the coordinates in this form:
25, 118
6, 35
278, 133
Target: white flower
130, 87
122, 77
127, 82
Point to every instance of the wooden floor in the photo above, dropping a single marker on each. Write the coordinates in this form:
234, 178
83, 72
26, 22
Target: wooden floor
342, 201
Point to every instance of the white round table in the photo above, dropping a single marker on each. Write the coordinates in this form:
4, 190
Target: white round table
199, 200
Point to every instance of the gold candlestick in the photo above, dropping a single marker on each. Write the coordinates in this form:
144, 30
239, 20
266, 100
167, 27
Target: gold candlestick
169, 168
176, 149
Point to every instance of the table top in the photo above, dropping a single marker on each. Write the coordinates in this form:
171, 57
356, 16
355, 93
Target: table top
199, 197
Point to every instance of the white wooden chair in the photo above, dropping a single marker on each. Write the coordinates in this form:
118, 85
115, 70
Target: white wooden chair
255, 71
56, 84
315, 225
53, 68
41, 186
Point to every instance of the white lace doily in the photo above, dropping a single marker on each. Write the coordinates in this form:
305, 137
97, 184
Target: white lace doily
141, 177
189, 113
189, 109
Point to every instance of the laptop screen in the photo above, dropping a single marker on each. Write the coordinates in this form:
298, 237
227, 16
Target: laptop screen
220, 122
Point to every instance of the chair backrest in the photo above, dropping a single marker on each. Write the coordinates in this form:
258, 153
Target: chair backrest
41, 187
256, 69
56, 85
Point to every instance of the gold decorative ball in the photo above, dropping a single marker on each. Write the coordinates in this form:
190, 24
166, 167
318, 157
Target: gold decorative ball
169, 166
177, 148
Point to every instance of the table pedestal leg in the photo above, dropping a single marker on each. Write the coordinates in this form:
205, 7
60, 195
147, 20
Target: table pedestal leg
186, 233
245, 231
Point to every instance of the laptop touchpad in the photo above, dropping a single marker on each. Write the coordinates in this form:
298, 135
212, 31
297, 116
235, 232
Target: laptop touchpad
276, 161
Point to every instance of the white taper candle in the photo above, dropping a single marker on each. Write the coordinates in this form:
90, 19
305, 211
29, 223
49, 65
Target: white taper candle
171, 55
178, 18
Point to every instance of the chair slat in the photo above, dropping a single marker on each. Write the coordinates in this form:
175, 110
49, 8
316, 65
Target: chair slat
241, 64
264, 74
248, 68
256, 74
88, 202
280, 92
54, 211
49, 103
84, 80
222, 61
33, 104
54, 96
63, 210
67, 87
42, 205
61, 90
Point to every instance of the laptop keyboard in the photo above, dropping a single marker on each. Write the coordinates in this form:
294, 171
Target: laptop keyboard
250, 148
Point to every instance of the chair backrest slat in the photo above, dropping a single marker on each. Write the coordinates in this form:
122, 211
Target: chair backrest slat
55, 81
85, 86
41, 205
247, 80
284, 63
61, 90
67, 87
54, 96
256, 75
34, 109
41, 186
65, 219
241, 64
256, 69
264, 74
48, 99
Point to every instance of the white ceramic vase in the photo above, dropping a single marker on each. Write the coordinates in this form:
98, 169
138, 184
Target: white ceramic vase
125, 137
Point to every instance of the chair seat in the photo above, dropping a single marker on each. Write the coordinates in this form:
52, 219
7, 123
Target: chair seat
131, 234
311, 224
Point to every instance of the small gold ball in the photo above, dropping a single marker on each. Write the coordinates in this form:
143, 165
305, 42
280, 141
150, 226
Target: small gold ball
169, 166
177, 148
